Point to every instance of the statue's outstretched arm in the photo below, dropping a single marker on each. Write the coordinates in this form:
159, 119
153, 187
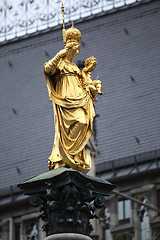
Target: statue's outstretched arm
50, 66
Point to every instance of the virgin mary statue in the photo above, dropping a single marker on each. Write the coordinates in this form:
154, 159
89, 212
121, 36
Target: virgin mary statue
73, 107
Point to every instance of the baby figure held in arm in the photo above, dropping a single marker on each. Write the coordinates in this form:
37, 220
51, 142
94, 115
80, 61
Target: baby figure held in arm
92, 87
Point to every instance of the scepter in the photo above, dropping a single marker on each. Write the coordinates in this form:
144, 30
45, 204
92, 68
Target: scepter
63, 31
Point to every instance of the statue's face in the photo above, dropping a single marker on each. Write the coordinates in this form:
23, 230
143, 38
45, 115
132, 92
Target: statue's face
92, 66
75, 49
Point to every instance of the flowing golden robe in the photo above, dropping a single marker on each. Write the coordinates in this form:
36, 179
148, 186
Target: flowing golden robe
73, 116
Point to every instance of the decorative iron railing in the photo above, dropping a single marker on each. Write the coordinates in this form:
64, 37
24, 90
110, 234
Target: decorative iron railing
22, 17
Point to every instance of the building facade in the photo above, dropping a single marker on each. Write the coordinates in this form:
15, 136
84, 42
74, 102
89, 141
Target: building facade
132, 212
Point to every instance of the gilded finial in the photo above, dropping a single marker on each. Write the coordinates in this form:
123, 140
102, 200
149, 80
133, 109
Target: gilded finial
72, 24
63, 31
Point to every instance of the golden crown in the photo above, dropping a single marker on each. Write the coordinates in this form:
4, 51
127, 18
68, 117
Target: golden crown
73, 34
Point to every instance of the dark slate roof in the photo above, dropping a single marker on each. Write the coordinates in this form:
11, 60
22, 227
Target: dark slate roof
127, 47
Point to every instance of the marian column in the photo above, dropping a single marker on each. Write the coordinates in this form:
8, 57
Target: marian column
67, 195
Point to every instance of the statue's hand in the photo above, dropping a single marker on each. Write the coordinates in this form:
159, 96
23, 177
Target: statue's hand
85, 69
62, 53
98, 85
95, 82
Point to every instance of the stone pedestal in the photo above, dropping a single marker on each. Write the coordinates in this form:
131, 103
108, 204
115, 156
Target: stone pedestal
67, 236
68, 200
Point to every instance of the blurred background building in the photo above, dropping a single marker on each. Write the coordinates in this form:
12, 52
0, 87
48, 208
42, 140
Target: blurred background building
124, 36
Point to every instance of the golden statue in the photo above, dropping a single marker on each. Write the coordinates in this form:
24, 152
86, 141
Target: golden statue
73, 103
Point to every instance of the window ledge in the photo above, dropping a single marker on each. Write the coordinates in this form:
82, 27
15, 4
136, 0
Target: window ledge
123, 227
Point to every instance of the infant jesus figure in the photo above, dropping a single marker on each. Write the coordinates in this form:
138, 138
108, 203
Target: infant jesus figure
92, 87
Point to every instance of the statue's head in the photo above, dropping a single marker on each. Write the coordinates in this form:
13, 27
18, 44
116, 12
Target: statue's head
91, 63
73, 36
